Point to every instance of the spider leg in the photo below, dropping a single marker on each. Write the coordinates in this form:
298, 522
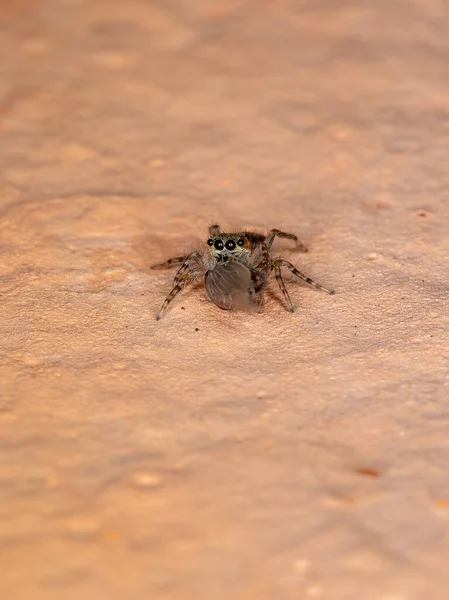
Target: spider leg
261, 260
284, 263
278, 274
185, 275
260, 271
171, 262
214, 230
282, 234
266, 263
188, 278
259, 280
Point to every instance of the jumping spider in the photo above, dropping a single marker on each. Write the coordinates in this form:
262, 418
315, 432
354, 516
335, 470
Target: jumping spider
236, 267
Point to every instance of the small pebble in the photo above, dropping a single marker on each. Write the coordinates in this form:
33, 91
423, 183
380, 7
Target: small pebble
148, 480
302, 566
83, 526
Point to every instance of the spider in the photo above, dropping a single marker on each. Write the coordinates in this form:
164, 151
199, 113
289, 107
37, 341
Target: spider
236, 267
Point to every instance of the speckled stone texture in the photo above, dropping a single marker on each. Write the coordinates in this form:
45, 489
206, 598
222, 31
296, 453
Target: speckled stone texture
217, 455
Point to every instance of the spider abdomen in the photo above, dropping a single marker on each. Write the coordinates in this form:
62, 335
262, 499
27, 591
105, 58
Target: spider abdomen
230, 285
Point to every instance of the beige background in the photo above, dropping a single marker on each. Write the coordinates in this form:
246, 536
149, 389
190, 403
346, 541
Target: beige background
260, 457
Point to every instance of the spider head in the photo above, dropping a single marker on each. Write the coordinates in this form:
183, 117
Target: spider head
225, 246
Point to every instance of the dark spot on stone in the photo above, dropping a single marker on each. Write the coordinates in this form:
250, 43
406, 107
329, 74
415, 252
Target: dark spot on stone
375, 206
367, 472
197, 328
344, 499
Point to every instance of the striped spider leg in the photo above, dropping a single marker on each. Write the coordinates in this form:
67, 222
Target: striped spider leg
268, 264
274, 233
171, 262
276, 265
186, 274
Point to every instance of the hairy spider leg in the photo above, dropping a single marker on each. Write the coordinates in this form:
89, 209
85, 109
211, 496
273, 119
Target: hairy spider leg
284, 263
282, 234
214, 230
278, 274
185, 275
171, 262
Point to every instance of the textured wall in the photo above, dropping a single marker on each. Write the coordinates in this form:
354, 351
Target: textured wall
217, 455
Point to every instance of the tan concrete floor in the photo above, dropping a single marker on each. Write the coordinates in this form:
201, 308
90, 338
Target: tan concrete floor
218, 455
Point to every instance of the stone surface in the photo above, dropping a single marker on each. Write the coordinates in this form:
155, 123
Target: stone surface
218, 455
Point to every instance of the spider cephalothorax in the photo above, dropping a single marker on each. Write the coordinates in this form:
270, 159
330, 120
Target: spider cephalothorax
240, 246
223, 248
236, 267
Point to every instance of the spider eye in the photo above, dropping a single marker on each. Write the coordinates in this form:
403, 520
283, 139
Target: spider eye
230, 245
219, 244
240, 242
210, 242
